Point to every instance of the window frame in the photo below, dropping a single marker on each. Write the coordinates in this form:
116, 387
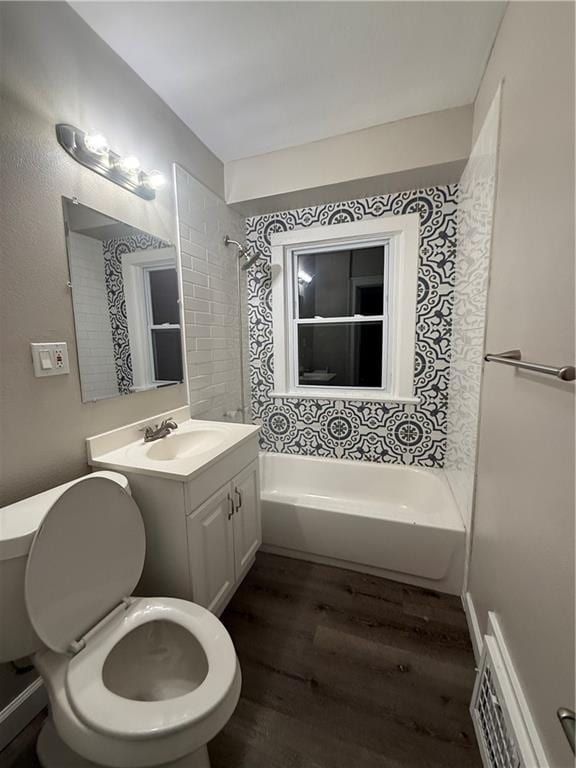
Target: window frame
136, 286
401, 236
297, 321
151, 326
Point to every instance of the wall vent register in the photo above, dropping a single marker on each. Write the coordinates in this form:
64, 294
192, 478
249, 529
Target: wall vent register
498, 744
506, 733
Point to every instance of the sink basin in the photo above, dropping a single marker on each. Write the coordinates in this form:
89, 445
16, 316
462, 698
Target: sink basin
179, 446
194, 447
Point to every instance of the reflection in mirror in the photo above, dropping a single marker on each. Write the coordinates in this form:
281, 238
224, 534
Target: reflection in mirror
335, 286
341, 283
340, 355
126, 305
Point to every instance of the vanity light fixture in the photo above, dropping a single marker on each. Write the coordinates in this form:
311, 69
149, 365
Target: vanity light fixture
155, 180
92, 151
96, 143
129, 164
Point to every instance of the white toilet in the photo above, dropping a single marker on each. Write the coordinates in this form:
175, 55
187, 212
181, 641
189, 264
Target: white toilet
132, 681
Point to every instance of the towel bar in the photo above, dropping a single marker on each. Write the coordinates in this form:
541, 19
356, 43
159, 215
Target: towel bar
514, 357
566, 717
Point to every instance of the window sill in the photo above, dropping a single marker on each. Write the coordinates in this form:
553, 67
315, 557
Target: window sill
323, 394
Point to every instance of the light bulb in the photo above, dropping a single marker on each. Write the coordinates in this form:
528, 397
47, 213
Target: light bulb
96, 143
129, 164
304, 277
154, 180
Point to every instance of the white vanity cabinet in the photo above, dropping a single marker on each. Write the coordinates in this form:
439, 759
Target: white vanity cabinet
247, 523
202, 532
223, 535
199, 495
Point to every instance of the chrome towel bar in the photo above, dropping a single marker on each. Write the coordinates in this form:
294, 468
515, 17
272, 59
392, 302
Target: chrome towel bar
514, 357
566, 717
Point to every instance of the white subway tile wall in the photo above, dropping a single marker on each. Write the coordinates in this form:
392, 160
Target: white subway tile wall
92, 319
214, 325
476, 198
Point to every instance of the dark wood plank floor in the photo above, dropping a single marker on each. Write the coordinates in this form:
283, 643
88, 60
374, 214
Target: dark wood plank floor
344, 670
21, 752
340, 670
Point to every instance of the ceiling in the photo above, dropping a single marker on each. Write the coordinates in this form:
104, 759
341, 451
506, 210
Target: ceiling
86, 221
252, 77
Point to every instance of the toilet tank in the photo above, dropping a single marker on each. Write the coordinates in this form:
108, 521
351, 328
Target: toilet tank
18, 525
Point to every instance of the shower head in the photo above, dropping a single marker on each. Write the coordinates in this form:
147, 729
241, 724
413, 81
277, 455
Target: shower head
251, 260
242, 253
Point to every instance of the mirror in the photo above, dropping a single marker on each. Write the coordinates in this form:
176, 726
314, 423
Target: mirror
126, 305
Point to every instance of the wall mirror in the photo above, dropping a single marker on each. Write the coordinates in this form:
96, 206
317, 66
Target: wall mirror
126, 305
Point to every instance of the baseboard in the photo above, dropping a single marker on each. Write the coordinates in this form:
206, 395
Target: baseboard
537, 749
473, 625
21, 710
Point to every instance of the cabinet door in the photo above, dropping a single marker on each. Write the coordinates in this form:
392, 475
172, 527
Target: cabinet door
247, 525
211, 548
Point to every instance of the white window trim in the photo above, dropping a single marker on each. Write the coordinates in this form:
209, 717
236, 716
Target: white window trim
136, 293
150, 322
403, 235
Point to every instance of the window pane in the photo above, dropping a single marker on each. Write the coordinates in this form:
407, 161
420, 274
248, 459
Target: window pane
167, 352
340, 355
341, 283
164, 296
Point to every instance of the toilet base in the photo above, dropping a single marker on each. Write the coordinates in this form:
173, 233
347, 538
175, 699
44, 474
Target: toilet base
54, 753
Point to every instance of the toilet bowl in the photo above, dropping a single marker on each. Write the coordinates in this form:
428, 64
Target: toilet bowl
157, 681
132, 681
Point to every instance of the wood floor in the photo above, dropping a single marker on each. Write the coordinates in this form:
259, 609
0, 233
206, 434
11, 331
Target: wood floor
340, 670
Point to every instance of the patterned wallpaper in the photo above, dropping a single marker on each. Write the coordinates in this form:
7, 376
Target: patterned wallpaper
113, 251
372, 431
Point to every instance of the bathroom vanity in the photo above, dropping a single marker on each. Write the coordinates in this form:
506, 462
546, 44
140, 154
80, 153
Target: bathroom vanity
198, 491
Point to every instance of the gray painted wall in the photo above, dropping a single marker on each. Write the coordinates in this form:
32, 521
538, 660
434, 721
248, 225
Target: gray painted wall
55, 69
522, 565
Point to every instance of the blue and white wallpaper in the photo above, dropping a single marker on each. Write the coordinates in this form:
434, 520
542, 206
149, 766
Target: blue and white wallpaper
389, 432
113, 251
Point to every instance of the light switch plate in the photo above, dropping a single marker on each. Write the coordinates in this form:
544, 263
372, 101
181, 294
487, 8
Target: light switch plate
50, 358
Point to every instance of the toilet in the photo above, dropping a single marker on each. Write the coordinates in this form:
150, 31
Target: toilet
132, 681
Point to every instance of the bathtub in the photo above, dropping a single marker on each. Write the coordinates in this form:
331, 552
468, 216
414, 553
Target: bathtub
398, 522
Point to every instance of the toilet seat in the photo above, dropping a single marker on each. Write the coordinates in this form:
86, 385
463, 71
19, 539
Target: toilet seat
87, 555
107, 707
106, 712
78, 605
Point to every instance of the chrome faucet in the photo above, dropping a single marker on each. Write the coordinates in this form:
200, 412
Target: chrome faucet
158, 431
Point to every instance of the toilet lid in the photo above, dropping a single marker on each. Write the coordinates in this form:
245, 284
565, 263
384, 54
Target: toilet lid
86, 556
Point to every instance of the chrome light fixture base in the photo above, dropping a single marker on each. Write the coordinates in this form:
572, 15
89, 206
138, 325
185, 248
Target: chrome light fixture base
106, 164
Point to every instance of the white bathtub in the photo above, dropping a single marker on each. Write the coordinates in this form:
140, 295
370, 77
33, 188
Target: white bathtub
394, 521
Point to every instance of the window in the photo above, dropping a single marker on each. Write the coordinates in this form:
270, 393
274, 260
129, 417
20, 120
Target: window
151, 291
163, 316
344, 307
340, 311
